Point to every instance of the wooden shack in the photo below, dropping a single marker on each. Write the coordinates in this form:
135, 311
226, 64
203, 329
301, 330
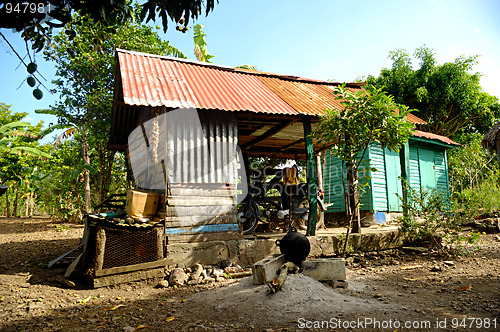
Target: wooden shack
264, 114
424, 157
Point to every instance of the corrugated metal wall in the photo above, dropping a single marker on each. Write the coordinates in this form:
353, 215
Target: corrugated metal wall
428, 168
193, 146
334, 192
379, 188
414, 167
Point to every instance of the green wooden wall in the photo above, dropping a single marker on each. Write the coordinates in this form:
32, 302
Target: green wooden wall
427, 164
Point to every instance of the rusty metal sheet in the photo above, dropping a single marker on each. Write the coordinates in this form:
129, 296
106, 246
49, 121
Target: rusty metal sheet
217, 88
444, 139
152, 80
148, 80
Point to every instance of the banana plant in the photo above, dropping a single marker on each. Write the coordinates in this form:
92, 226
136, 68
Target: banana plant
11, 132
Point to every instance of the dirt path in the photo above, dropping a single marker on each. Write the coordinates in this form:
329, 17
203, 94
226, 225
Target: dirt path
386, 292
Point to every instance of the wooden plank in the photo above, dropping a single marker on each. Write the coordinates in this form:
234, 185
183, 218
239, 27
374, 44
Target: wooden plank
197, 220
190, 201
217, 236
200, 210
128, 277
201, 229
202, 192
271, 132
131, 268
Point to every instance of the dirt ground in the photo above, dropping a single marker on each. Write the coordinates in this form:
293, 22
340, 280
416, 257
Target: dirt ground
387, 291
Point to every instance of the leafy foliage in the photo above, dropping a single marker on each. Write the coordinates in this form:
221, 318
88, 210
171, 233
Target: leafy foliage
85, 64
447, 96
426, 221
36, 25
367, 116
200, 44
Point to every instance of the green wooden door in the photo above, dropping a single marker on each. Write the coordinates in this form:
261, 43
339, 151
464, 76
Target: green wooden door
427, 168
393, 172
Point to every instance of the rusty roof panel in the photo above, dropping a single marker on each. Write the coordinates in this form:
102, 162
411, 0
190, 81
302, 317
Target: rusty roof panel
444, 139
150, 81
306, 98
217, 88
415, 119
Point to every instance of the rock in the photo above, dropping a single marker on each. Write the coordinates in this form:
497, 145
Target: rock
208, 280
338, 284
217, 272
436, 268
416, 249
197, 270
449, 263
230, 269
163, 284
377, 295
178, 277
220, 279
194, 281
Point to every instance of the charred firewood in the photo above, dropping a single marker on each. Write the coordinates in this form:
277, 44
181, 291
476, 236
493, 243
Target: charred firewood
277, 283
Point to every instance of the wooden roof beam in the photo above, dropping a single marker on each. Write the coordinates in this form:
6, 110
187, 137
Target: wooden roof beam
271, 132
289, 146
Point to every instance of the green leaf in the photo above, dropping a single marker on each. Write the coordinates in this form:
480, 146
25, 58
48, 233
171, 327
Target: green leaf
29, 150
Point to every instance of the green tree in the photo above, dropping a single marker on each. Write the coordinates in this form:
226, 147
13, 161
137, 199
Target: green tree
85, 66
447, 96
366, 117
20, 152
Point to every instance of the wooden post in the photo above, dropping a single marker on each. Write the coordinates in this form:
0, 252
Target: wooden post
404, 159
311, 178
321, 186
100, 247
497, 145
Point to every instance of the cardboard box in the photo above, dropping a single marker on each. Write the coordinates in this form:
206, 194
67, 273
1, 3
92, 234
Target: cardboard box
141, 203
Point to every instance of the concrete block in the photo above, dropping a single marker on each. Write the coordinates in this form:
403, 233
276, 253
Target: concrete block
266, 269
325, 269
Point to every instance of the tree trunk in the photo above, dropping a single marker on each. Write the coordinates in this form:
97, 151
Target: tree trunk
353, 194
7, 204
32, 204
15, 214
86, 174
106, 158
77, 192
27, 204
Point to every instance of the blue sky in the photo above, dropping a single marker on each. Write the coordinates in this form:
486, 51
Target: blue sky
340, 40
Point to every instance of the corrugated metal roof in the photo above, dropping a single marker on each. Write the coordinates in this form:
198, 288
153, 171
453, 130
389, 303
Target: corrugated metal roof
153, 80
149, 81
444, 139
307, 98
415, 119
232, 91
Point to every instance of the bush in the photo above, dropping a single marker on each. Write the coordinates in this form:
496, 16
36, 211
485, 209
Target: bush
428, 219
